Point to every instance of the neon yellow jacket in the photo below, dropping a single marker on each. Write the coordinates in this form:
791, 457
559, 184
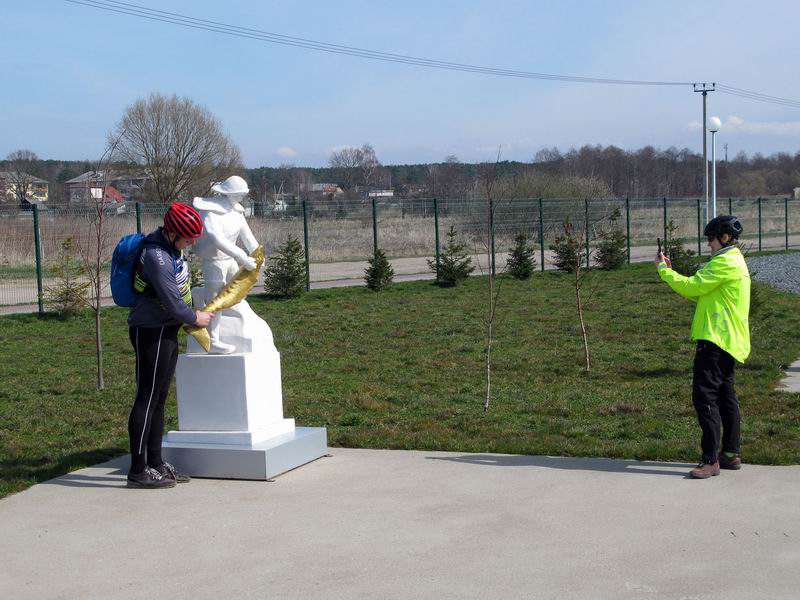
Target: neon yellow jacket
722, 292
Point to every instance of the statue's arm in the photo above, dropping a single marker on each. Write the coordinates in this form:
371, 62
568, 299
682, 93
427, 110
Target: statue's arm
246, 236
223, 244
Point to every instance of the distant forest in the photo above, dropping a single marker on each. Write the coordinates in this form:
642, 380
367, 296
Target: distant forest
588, 171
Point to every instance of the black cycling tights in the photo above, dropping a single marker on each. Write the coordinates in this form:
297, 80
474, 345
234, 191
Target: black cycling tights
156, 355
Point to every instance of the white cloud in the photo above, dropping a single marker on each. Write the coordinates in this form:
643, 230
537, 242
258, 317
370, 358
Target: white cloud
286, 152
734, 124
772, 128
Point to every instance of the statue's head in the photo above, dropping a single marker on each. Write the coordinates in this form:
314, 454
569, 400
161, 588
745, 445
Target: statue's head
234, 187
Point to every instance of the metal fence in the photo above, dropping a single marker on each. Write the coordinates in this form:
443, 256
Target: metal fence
339, 235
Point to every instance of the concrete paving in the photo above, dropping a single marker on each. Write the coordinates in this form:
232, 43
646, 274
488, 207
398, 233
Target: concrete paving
398, 524
791, 381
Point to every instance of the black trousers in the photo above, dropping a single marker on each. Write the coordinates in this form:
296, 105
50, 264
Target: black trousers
156, 356
715, 400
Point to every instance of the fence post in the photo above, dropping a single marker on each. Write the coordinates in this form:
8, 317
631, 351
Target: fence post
586, 227
759, 223
374, 226
37, 240
436, 226
138, 217
305, 244
628, 225
491, 232
541, 232
698, 226
786, 220
730, 205
665, 220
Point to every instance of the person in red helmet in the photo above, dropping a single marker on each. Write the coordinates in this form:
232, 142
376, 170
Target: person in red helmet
164, 298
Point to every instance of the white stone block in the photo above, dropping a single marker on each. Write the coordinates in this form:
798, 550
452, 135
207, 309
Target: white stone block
232, 392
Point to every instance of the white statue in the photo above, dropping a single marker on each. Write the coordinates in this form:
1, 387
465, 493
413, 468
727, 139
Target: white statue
223, 226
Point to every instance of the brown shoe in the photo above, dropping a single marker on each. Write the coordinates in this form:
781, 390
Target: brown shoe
705, 470
733, 464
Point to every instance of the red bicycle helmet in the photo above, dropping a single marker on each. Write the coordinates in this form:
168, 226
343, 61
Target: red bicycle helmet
183, 220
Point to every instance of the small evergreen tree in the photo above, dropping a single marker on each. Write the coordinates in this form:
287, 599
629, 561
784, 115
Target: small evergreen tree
612, 252
455, 265
285, 275
68, 295
567, 248
684, 261
522, 259
380, 273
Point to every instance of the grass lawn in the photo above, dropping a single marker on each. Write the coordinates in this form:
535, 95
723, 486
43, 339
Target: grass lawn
404, 368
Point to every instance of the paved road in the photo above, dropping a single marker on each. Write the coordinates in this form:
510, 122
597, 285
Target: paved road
397, 524
19, 295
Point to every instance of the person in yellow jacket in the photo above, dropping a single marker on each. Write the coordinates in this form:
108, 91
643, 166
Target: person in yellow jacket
722, 331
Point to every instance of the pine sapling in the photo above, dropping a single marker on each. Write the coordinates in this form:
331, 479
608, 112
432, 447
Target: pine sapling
522, 258
455, 265
285, 275
69, 294
612, 252
380, 273
567, 249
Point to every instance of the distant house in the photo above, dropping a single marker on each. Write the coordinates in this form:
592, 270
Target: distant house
38, 192
797, 193
312, 190
119, 187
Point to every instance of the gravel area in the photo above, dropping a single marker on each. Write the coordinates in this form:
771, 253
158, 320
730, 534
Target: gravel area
779, 270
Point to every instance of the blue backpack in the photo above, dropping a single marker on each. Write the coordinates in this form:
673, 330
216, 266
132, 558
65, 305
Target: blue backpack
123, 266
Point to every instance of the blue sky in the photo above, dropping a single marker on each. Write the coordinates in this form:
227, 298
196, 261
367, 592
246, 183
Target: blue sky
71, 70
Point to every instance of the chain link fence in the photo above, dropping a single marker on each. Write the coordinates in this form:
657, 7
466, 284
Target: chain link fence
340, 235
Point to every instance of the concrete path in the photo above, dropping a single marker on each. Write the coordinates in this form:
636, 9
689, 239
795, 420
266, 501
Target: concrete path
397, 524
791, 380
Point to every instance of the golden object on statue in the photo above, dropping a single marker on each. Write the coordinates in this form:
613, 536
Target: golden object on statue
234, 292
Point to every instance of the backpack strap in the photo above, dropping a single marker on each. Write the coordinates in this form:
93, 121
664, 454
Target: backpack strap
145, 244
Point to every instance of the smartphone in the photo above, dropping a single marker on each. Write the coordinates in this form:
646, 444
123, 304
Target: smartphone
659, 245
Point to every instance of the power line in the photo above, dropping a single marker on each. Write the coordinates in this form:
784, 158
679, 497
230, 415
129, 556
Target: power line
733, 91
266, 36
135, 10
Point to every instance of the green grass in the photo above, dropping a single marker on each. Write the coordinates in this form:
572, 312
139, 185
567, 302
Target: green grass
404, 368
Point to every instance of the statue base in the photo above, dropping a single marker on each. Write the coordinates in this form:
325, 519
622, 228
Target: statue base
260, 462
230, 417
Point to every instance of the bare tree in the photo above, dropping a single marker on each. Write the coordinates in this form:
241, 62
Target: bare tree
21, 164
447, 179
488, 174
95, 250
181, 145
574, 254
346, 161
356, 166
370, 167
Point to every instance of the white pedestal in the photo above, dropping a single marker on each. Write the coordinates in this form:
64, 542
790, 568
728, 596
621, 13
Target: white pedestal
229, 392
230, 418
257, 461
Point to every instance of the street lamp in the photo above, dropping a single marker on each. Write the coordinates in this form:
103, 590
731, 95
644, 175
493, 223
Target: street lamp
713, 126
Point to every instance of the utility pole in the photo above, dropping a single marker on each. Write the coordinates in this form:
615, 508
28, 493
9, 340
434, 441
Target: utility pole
726, 154
704, 88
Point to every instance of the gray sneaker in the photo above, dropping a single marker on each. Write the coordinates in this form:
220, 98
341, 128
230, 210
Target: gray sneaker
149, 479
169, 471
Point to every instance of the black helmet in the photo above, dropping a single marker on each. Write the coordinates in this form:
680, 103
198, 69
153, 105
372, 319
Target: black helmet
723, 224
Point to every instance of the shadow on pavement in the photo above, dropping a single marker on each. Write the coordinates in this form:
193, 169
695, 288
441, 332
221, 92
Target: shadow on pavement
88, 481
606, 465
112, 479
